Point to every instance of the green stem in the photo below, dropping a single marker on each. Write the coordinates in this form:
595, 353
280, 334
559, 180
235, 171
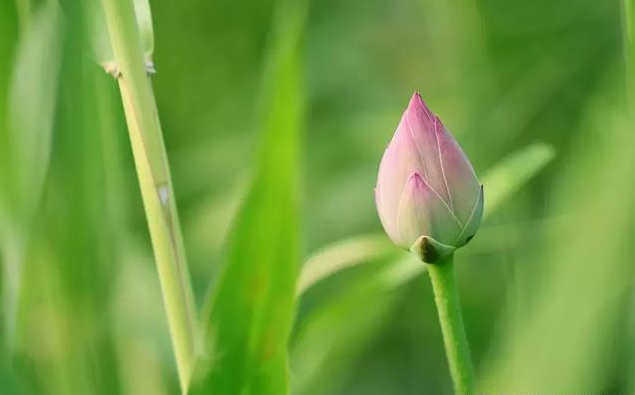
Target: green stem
457, 348
155, 183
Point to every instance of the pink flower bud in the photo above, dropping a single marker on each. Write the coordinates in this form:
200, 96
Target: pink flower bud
428, 197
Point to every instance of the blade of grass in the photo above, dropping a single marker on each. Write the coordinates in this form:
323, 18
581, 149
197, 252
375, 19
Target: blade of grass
253, 305
513, 172
341, 255
154, 179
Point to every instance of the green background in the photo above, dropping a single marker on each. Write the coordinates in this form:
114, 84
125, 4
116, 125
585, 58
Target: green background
546, 285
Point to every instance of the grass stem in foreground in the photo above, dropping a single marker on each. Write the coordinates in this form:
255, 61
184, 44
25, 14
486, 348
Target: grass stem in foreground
154, 179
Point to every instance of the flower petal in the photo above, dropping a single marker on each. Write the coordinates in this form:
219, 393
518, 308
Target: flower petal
422, 212
423, 127
473, 222
463, 186
389, 223
399, 161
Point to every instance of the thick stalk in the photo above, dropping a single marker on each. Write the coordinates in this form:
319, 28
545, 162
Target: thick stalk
457, 348
155, 183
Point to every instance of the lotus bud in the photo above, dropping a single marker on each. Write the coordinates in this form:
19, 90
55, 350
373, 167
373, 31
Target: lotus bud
428, 197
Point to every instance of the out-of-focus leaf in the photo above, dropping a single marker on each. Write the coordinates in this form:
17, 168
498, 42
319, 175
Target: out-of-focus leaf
334, 333
500, 182
569, 333
628, 37
253, 306
11, 381
99, 39
513, 172
630, 347
341, 255
29, 127
65, 316
138, 309
31, 108
8, 38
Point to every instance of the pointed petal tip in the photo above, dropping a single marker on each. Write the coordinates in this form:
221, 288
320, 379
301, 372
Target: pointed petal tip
418, 184
418, 104
416, 179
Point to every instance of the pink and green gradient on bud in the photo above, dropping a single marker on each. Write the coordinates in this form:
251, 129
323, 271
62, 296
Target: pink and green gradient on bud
428, 197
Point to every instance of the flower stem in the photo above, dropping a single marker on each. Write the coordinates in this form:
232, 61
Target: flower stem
153, 174
457, 349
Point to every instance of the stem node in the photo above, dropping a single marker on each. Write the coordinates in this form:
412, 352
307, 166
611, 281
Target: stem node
130, 67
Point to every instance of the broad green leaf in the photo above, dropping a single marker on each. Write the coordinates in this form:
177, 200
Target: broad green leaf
253, 304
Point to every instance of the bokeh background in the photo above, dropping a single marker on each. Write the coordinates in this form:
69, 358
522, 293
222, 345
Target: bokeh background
536, 92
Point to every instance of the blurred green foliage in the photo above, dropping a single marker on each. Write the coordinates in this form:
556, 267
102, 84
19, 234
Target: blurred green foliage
252, 308
547, 284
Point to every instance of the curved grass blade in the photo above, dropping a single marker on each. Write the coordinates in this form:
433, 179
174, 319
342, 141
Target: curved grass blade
341, 255
513, 172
